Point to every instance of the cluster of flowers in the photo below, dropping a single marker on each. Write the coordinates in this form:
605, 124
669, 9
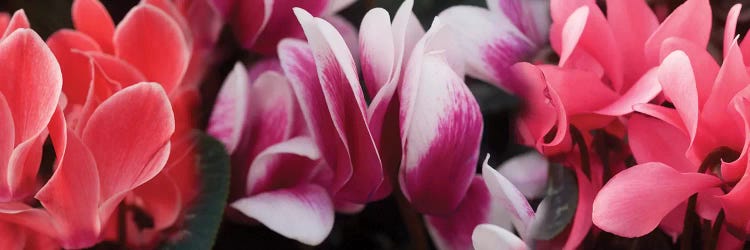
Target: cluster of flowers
116, 176
629, 84
309, 138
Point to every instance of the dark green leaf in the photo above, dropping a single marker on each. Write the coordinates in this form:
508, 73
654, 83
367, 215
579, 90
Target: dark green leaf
557, 209
204, 219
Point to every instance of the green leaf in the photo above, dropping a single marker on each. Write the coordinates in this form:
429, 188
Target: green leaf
557, 209
204, 219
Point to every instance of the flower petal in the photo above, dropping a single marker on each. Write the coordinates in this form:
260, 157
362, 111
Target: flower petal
643, 91
489, 42
587, 31
632, 23
510, 198
249, 19
17, 21
633, 202
91, 18
491, 237
71, 196
151, 41
690, 21
32, 108
278, 25
454, 231
730, 27
129, 150
527, 172
378, 53
161, 199
699, 59
678, 81
652, 140
304, 213
283, 165
341, 90
75, 67
230, 110
441, 128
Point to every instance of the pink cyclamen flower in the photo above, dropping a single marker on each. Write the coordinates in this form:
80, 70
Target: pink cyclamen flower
115, 57
701, 130
259, 25
90, 178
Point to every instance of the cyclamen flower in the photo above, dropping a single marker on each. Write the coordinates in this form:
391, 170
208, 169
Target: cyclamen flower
348, 139
99, 56
259, 25
702, 134
95, 168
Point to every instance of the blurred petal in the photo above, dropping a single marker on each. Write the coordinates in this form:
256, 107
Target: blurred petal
632, 23
527, 172
303, 213
634, 201
282, 23
491, 237
249, 18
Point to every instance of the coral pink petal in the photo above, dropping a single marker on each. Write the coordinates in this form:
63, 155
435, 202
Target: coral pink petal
730, 27
17, 21
566, 82
540, 116
304, 213
632, 23
131, 147
161, 199
674, 221
71, 196
690, 21
736, 207
733, 171
699, 59
643, 91
115, 69
708, 204
454, 231
668, 115
4, 20
7, 145
67, 46
152, 42
586, 31
92, 18
678, 81
731, 79
633, 202
32, 108
652, 140
581, 223
441, 127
